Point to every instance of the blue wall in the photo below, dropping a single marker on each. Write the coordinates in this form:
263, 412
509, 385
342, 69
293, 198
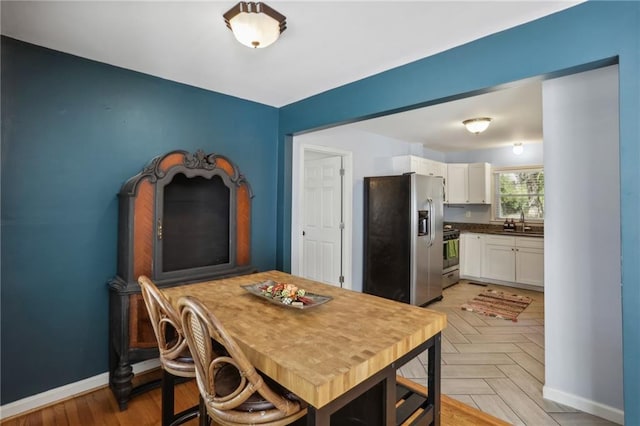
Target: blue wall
569, 41
73, 131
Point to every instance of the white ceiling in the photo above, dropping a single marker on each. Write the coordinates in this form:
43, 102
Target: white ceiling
327, 44
516, 113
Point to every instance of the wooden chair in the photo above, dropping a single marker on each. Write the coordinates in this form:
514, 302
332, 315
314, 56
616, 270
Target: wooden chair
175, 358
235, 393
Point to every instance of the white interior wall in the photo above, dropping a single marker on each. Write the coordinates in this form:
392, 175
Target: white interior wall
371, 157
583, 314
499, 157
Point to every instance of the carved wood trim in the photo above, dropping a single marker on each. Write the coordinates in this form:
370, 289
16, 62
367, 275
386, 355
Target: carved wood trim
226, 166
174, 159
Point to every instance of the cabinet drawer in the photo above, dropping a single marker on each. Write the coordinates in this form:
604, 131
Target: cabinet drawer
532, 242
501, 240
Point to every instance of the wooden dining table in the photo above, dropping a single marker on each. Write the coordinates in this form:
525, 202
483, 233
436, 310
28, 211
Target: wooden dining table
340, 357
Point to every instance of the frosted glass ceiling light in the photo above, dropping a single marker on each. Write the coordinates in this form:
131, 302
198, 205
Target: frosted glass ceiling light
254, 24
477, 125
518, 148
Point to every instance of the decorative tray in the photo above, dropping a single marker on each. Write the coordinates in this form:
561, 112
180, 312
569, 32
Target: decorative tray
287, 295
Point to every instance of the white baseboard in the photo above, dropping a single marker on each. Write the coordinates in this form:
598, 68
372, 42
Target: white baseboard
606, 412
67, 391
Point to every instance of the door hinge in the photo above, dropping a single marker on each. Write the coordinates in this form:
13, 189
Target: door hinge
341, 279
341, 172
341, 226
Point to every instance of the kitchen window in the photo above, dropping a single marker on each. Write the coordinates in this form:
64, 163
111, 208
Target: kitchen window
517, 191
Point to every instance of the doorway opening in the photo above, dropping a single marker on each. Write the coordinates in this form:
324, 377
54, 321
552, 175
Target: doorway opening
322, 214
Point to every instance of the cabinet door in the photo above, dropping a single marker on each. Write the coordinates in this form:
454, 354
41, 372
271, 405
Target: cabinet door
479, 183
457, 183
429, 167
471, 251
401, 164
530, 266
418, 165
434, 168
499, 262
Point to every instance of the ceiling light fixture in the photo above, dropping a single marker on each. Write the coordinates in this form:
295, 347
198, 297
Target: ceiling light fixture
518, 148
477, 125
255, 24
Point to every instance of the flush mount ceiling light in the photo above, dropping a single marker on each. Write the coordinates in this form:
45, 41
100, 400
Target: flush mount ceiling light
255, 24
477, 125
518, 148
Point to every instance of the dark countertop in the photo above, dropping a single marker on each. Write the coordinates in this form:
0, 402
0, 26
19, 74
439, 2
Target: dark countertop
513, 233
495, 229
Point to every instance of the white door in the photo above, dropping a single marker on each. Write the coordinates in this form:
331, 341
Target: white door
322, 220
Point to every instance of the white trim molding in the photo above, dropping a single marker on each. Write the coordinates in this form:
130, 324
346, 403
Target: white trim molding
65, 392
597, 409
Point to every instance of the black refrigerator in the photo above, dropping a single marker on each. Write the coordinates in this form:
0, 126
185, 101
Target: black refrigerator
403, 237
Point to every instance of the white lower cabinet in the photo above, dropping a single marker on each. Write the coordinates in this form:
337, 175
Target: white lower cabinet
502, 259
499, 259
530, 261
471, 255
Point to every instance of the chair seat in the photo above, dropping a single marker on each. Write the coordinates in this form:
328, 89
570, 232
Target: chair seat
182, 365
228, 379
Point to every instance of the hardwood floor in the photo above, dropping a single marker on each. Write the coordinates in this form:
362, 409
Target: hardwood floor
497, 365
100, 408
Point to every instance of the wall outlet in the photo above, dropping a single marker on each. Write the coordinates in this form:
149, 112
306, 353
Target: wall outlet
467, 214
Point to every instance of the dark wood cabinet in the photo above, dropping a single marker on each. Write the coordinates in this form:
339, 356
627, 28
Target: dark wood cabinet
184, 218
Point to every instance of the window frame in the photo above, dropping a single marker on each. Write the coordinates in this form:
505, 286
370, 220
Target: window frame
495, 172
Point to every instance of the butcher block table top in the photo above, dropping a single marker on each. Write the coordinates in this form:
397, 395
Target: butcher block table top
318, 353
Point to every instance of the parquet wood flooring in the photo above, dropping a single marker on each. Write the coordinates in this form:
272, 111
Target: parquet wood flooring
497, 365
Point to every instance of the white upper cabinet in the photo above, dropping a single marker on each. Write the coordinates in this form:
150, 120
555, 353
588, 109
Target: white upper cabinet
480, 183
419, 165
435, 168
458, 183
469, 183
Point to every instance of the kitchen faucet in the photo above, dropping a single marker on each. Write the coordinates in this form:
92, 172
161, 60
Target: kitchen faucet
522, 220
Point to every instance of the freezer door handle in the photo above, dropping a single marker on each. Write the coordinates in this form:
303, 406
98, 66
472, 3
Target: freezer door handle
432, 220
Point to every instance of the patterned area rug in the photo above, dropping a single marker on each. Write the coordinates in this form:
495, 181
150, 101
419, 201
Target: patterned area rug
498, 304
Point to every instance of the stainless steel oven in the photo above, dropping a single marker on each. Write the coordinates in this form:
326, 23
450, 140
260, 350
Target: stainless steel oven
450, 257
